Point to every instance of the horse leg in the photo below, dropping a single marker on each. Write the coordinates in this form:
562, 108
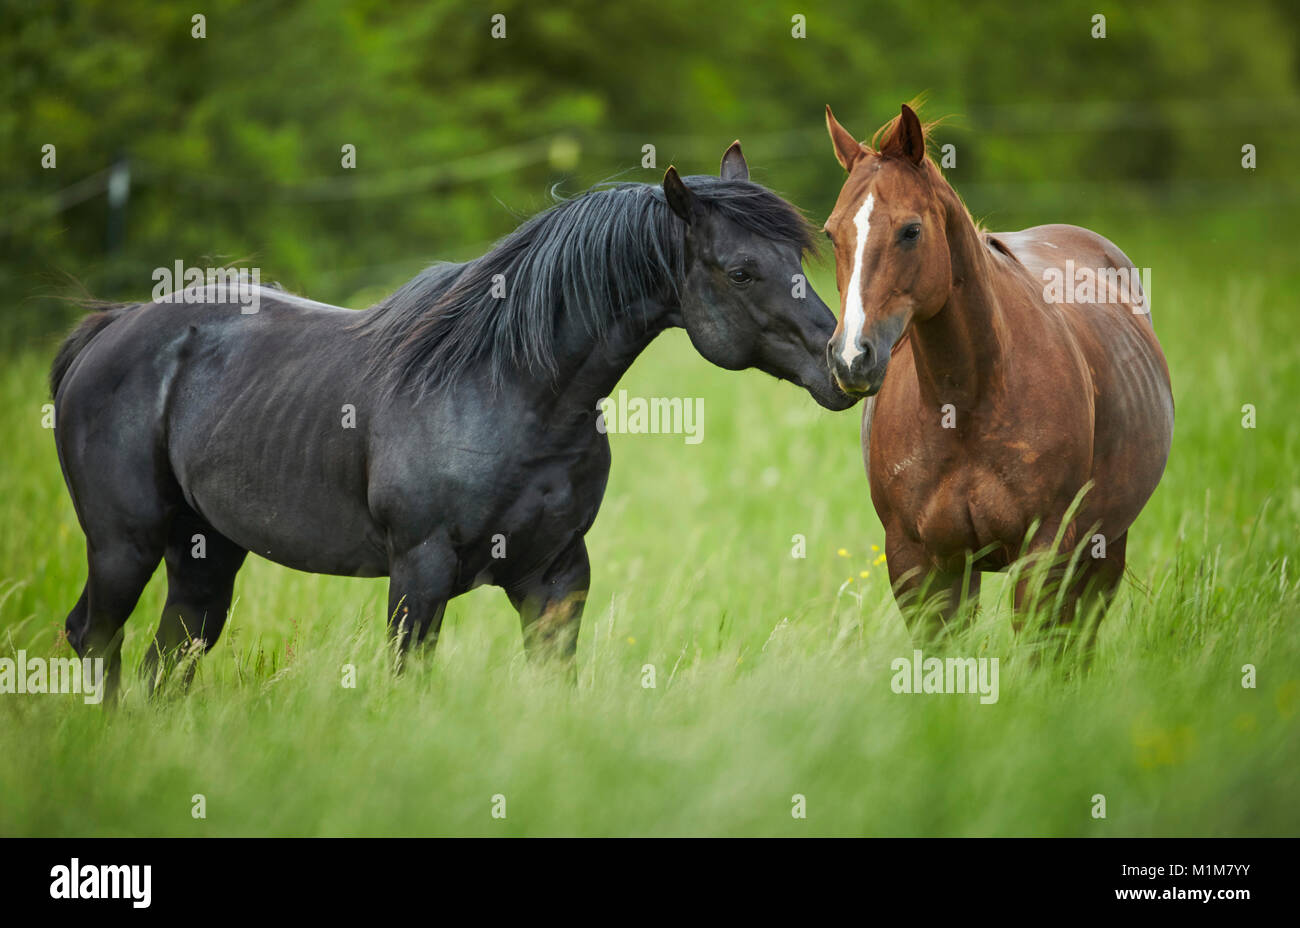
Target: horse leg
1106, 573
118, 573
550, 607
1098, 582
75, 626
1044, 566
930, 599
201, 568
1093, 583
115, 465
419, 584
125, 522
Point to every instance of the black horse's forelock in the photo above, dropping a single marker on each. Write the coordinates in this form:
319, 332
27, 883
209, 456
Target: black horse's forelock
601, 253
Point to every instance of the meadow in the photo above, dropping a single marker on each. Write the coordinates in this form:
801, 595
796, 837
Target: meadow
771, 672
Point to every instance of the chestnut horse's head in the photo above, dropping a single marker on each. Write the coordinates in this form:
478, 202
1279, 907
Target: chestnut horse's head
891, 251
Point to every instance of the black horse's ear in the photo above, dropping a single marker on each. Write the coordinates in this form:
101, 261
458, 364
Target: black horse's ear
733, 163
907, 141
679, 196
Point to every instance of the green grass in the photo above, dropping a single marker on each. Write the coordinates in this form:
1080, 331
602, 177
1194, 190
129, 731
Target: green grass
772, 680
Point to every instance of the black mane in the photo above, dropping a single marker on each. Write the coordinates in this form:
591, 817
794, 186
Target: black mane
600, 253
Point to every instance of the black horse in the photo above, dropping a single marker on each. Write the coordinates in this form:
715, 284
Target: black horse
447, 437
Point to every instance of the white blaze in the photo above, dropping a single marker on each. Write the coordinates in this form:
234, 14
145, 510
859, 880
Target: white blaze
854, 316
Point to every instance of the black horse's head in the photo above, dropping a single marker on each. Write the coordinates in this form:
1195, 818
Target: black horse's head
745, 301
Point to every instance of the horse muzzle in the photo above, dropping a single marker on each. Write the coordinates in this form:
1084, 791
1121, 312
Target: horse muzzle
863, 374
861, 371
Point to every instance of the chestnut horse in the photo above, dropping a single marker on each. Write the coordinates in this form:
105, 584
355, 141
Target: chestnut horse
1001, 391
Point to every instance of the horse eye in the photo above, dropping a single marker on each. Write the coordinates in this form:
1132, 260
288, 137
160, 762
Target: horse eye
739, 276
911, 233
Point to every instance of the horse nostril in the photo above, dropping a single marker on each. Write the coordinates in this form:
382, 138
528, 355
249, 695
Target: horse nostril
866, 360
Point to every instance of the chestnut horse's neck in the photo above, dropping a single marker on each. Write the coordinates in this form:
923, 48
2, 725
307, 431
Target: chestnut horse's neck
959, 350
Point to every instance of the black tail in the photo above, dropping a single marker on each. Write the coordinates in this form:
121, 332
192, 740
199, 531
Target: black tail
82, 336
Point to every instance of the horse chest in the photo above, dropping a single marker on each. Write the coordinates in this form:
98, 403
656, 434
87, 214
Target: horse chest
554, 498
952, 500
549, 500
933, 509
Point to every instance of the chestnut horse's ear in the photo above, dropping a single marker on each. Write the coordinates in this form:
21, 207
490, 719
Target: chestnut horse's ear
847, 149
733, 163
908, 138
679, 196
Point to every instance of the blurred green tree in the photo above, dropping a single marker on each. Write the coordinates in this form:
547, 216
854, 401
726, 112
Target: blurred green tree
235, 141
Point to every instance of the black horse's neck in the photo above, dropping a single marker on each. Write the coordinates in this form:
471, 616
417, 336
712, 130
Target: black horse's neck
565, 302
577, 290
589, 365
